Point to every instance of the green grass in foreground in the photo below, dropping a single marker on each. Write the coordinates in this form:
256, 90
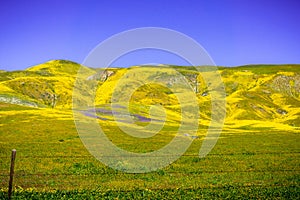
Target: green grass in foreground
52, 163
226, 192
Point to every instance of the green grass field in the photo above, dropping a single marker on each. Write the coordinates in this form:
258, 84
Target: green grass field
53, 163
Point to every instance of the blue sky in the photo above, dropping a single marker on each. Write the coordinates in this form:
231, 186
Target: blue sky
233, 32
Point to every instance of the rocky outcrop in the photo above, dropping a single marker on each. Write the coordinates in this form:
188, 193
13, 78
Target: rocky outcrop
101, 76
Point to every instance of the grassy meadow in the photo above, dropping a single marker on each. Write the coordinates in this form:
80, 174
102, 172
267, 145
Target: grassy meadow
256, 156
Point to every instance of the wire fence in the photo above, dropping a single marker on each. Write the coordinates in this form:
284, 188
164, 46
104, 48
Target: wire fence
166, 155
35, 172
30, 171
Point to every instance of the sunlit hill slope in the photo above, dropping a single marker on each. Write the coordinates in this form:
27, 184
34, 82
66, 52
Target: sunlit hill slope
254, 94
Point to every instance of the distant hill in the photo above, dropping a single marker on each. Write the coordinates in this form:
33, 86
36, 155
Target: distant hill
253, 92
45, 85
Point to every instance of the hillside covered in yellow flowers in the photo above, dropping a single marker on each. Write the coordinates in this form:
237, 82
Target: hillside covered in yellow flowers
260, 96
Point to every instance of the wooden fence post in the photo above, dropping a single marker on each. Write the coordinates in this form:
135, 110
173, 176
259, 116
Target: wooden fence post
11, 174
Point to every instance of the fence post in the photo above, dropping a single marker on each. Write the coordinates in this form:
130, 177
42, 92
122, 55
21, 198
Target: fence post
11, 174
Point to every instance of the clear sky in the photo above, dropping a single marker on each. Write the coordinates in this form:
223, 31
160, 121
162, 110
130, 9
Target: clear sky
234, 32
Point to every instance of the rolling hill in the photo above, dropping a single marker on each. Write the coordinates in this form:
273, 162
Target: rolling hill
261, 96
